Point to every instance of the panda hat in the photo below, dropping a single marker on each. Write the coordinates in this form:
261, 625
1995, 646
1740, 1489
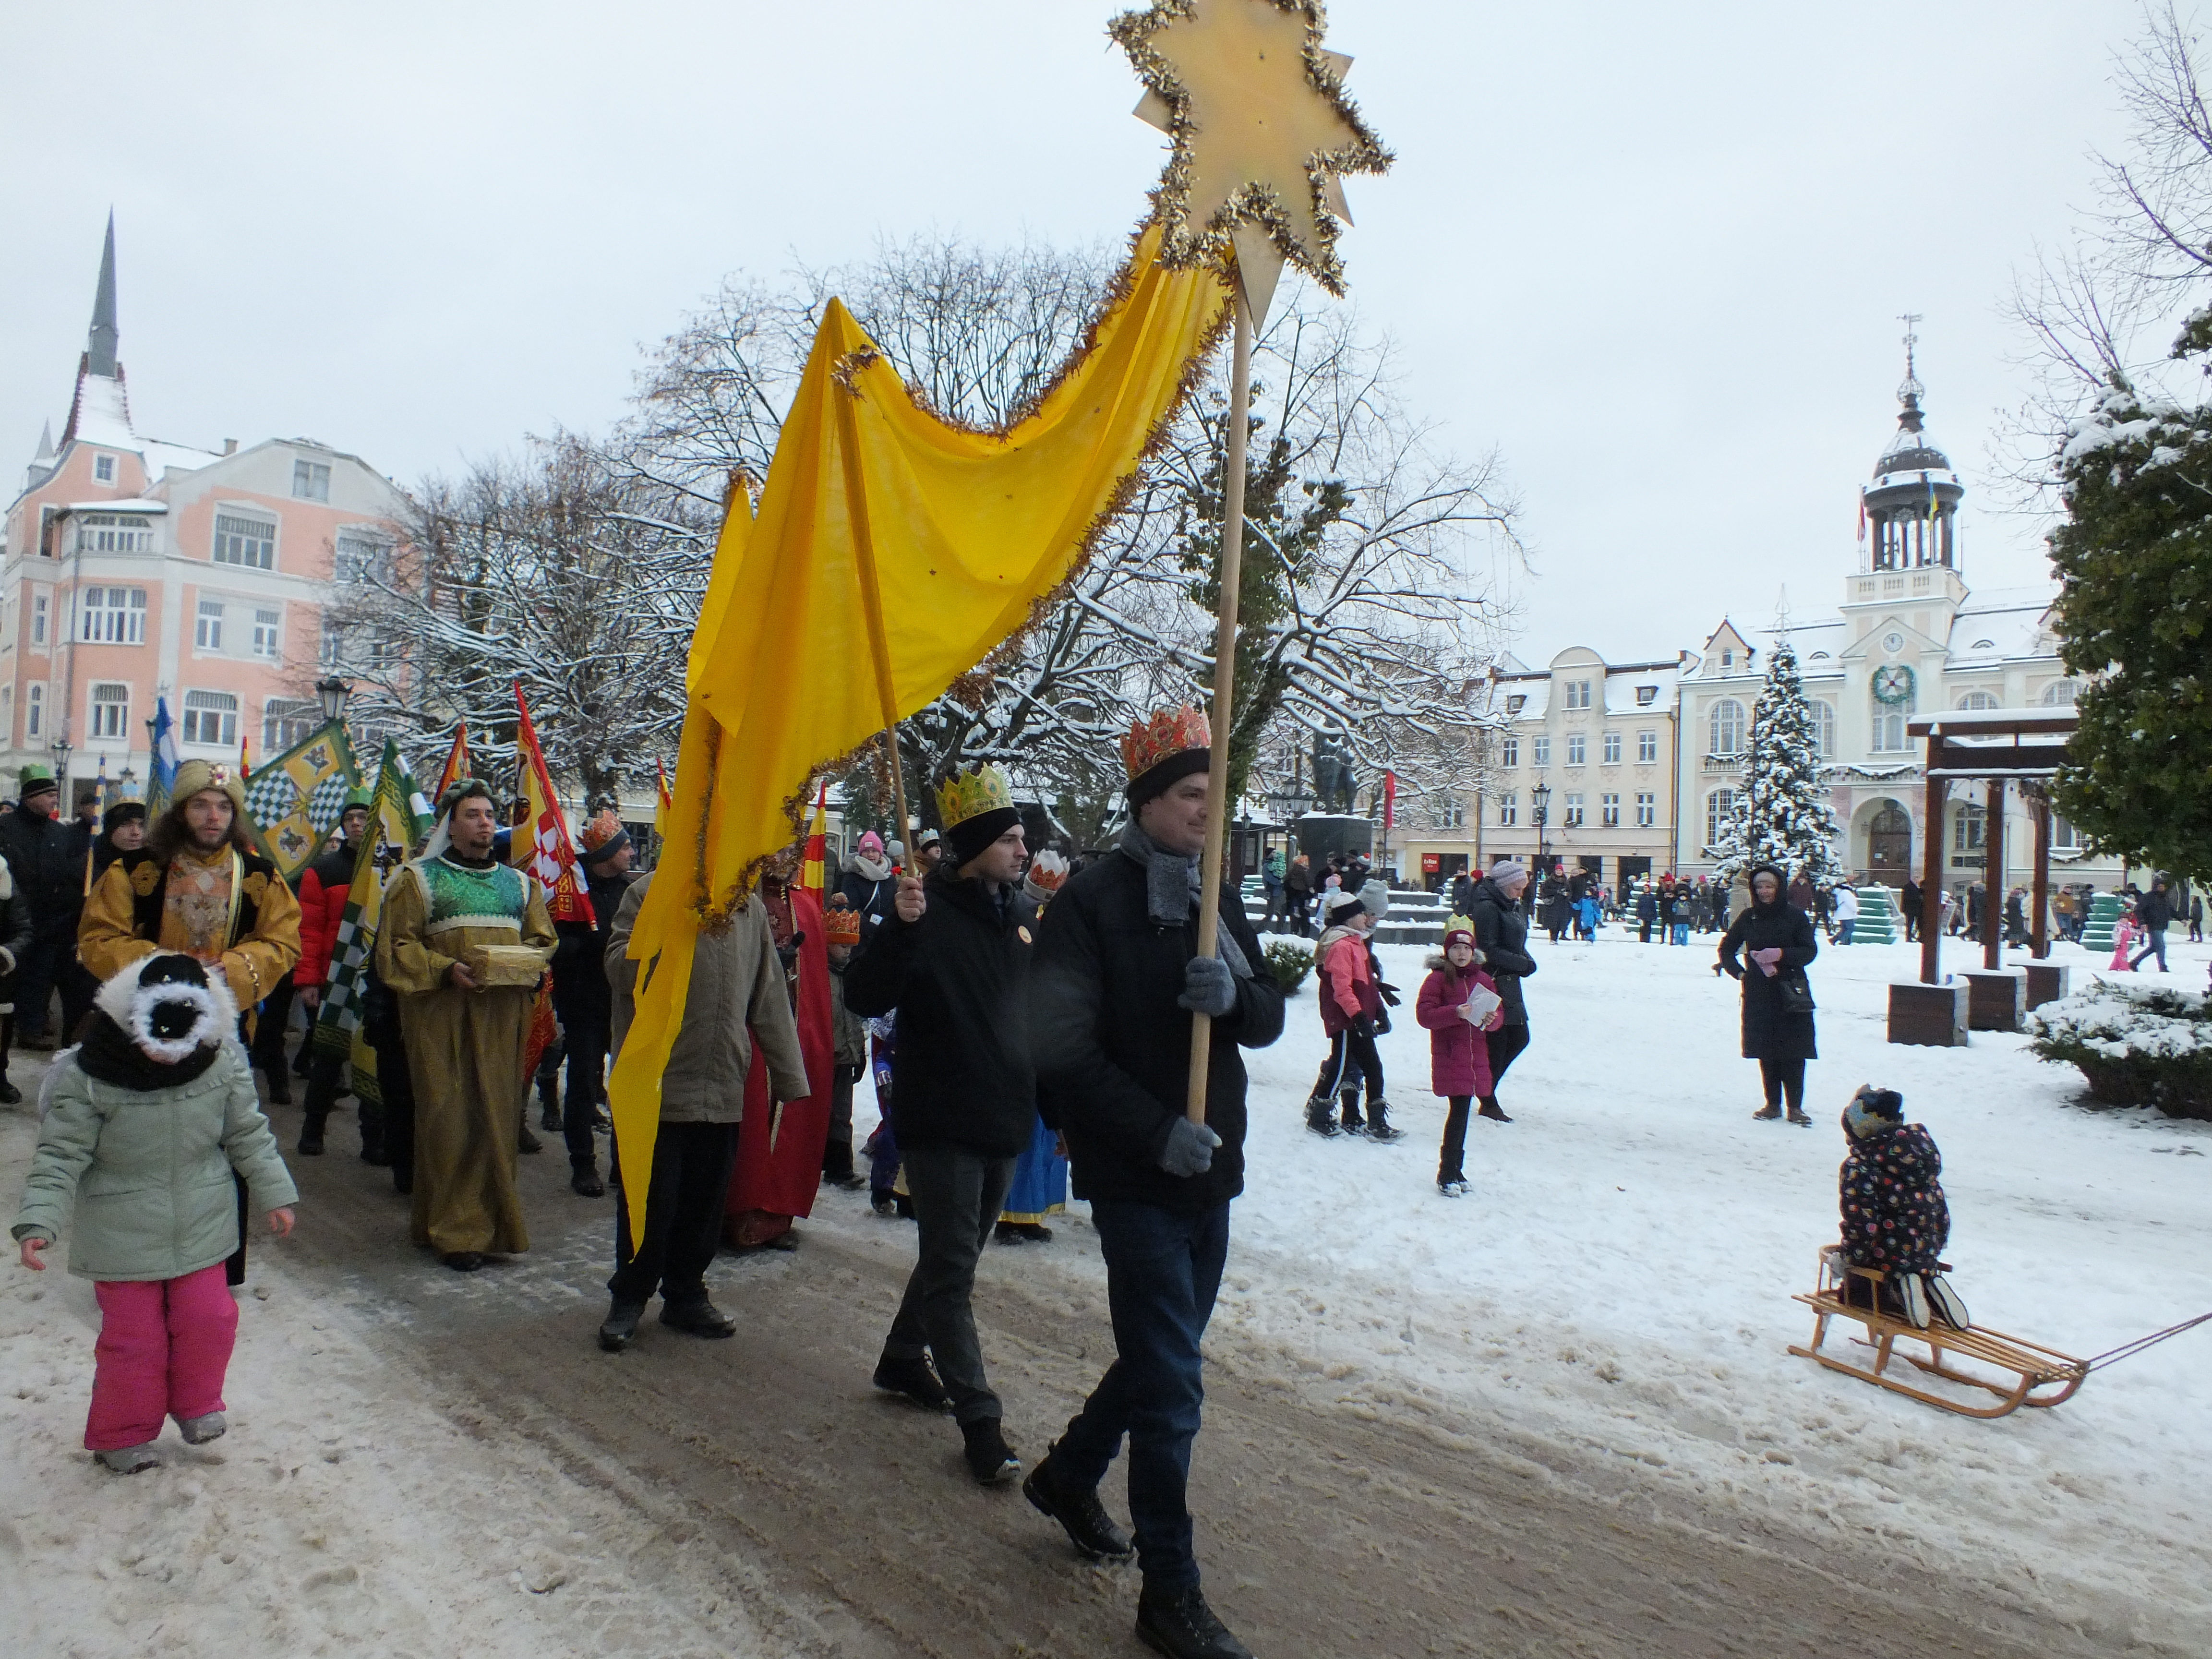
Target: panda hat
169, 1007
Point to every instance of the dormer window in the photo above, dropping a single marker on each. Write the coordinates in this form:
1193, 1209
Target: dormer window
1727, 659
1514, 705
310, 481
103, 469
1646, 695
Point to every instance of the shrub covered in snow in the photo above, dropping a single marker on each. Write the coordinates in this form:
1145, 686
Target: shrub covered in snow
2135, 1046
1290, 960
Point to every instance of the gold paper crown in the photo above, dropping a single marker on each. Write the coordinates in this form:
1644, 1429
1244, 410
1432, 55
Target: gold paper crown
1170, 732
965, 795
1459, 925
842, 922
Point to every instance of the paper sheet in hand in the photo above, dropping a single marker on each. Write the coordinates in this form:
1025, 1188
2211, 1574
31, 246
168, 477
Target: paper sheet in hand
1481, 1003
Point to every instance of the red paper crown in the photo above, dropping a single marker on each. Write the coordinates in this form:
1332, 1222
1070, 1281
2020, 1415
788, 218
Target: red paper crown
841, 921
1168, 734
601, 829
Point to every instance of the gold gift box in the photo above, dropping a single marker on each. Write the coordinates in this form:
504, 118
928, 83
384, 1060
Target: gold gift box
506, 965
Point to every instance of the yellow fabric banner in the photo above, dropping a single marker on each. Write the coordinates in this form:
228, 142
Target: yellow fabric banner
893, 551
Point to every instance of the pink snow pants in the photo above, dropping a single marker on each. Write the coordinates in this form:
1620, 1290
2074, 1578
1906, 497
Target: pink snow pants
164, 1345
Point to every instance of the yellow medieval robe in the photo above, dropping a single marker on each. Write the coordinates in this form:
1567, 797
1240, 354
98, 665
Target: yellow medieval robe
202, 916
465, 1048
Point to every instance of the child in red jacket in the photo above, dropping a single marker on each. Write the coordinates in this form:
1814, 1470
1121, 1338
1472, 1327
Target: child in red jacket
1458, 1003
1351, 1007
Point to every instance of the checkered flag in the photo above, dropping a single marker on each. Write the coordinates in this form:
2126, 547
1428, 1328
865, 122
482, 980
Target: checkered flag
394, 827
272, 797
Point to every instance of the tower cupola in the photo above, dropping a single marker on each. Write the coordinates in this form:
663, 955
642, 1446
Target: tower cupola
1913, 504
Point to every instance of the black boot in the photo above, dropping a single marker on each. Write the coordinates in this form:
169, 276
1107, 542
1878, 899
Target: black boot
524, 1141
916, 1379
584, 1178
1090, 1528
311, 1135
277, 1076
1321, 1116
1378, 1123
990, 1459
1349, 1100
1179, 1623
619, 1329
698, 1318
1490, 1109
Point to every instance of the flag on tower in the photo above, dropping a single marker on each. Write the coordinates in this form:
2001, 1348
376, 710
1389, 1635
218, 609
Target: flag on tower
543, 845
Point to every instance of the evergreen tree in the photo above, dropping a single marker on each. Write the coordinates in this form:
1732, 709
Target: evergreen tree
1731, 854
1787, 821
2134, 558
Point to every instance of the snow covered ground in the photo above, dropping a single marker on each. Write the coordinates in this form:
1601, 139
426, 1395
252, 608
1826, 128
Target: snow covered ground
1620, 1279
1616, 1288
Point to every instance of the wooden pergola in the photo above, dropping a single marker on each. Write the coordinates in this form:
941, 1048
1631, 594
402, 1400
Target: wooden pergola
1999, 748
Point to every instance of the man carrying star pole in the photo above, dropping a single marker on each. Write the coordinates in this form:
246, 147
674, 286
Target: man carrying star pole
1117, 979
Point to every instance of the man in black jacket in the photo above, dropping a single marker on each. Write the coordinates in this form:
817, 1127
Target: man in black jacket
953, 962
49, 871
1118, 979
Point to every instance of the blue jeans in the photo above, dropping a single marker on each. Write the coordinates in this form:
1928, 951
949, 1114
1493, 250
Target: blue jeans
1681, 932
1163, 1269
2154, 947
1843, 930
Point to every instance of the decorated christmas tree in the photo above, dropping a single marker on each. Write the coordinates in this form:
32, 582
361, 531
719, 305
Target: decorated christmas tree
1787, 820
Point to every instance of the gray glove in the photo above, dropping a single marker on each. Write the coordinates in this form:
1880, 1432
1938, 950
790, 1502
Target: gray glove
1189, 1149
1208, 987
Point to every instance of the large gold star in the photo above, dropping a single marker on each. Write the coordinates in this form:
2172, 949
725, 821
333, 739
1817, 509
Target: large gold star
1262, 134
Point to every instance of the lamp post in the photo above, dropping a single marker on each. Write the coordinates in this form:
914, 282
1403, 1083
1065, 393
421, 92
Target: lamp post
1540, 810
331, 692
61, 747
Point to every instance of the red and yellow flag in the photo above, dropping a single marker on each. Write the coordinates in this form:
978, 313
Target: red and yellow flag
817, 835
457, 765
541, 843
667, 800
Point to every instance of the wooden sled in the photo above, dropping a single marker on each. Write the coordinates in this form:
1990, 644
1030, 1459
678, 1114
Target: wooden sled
2031, 1374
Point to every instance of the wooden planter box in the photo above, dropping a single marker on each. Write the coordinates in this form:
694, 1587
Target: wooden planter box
1995, 1001
1930, 1016
2047, 982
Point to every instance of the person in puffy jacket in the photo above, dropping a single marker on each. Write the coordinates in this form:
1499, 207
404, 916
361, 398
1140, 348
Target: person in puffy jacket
148, 1119
1459, 1055
1351, 1015
324, 885
1895, 1216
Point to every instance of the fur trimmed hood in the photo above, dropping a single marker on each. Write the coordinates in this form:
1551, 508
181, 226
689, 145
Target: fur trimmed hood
1435, 962
169, 1007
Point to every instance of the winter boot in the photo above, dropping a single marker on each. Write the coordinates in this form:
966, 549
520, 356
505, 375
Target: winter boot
1321, 1116
698, 1318
1947, 1303
130, 1459
1798, 1115
584, 1178
1348, 1101
1090, 1528
915, 1378
1768, 1114
1452, 1185
311, 1135
277, 1076
524, 1141
990, 1459
619, 1329
1490, 1109
199, 1430
1179, 1623
1378, 1122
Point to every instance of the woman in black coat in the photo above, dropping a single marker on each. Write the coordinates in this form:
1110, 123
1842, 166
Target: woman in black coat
1776, 941
1501, 933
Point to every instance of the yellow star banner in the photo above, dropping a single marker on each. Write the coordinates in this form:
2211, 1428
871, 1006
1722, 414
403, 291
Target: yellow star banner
894, 552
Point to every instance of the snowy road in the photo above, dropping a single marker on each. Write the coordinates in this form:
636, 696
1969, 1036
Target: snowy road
1556, 1419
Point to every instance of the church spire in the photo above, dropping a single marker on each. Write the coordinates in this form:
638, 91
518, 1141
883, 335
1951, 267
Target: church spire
100, 343
45, 442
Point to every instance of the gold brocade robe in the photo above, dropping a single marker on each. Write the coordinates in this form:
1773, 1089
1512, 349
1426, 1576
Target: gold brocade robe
465, 1048
197, 907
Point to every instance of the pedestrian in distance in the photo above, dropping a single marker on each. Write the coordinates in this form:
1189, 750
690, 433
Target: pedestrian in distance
953, 961
1119, 982
148, 1120
1351, 1015
1459, 1005
2154, 916
15, 935
1501, 933
2197, 918
49, 874
1767, 949
1843, 910
1298, 892
1272, 869
1910, 899
1647, 913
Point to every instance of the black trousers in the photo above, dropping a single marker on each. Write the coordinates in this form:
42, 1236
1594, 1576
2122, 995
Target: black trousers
958, 1197
1450, 1158
1505, 1045
587, 1040
398, 1088
1781, 1077
837, 1150
53, 947
276, 1021
691, 1164
326, 1083
1352, 1060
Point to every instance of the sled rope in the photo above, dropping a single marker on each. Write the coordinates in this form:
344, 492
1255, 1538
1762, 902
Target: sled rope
2129, 1351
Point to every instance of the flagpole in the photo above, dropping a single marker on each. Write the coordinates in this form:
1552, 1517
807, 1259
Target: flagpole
1224, 686
872, 597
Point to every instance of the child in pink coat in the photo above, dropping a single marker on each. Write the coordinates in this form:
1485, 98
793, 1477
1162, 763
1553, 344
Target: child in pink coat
1458, 1003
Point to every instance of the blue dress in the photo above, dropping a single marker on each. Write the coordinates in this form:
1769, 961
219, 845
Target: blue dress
1040, 1185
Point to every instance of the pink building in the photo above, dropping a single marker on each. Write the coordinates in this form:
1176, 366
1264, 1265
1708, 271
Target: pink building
132, 569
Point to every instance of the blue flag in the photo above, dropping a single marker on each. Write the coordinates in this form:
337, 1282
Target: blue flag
165, 760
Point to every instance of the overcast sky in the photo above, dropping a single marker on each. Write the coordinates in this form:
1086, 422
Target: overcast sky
1654, 254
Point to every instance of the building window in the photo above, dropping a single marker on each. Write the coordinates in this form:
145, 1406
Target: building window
1609, 809
39, 607
1966, 827
207, 633
1508, 752
111, 711
310, 481
1720, 814
1572, 817
1727, 659
268, 629
1889, 730
1977, 700
1540, 751
103, 468
249, 542
359, 559
1612, 749
1577, 748
1452, 814
2064, 838
211, 717
1578, 694
34, 713
1727, 728
114, 616
1647, 747
1509, 810
286, 721
1513, 705
7, 714
1646, 695
2059, 694
1824, 730
114, 532
1647, 809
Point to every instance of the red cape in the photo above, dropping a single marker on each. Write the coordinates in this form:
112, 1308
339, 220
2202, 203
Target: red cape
773, 1183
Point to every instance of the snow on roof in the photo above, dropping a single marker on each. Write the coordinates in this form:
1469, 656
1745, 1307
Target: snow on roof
103, 416
137, 504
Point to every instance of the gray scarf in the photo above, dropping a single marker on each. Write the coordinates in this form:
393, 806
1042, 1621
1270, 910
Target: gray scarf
1172, 890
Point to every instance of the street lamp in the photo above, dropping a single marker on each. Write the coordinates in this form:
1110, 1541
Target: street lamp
332, 692
61, 747
1539, 805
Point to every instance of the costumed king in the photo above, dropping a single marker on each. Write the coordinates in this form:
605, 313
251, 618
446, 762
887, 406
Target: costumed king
1117, 981
462, 942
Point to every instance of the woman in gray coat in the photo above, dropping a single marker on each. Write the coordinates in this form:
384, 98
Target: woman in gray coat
145, 1123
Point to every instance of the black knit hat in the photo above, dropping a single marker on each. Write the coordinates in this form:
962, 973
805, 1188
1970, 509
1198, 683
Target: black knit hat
970, 836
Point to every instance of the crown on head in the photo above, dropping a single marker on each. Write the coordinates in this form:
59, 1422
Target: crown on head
965, 795
1459, 925
1170, 732
842, 922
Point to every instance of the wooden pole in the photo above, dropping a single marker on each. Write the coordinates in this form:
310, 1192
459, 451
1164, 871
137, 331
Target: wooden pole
1931, 880
1993, 871
2038, 928
1224, 689
872, 600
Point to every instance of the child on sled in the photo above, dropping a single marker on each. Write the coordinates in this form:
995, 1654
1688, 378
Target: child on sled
1895, 1216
